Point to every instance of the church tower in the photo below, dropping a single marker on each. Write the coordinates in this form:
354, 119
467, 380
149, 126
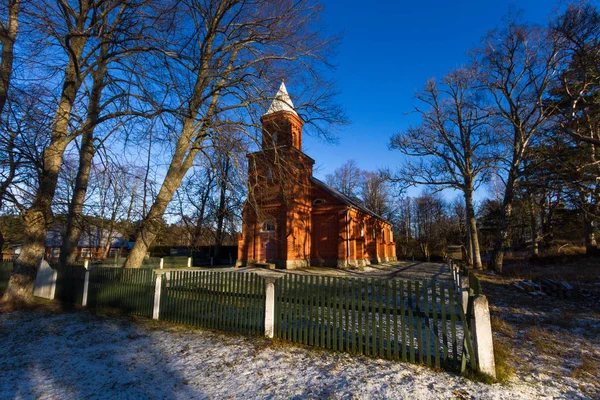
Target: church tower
281, 125
277, 215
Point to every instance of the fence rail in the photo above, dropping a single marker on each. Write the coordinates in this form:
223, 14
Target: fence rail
228, 301
402, 320
128, 290
69, 283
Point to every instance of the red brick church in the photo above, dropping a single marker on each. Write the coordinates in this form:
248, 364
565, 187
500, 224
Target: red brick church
292, 219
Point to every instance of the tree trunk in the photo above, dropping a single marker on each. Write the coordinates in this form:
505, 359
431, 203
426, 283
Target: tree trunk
501, 243
38, 217
472, 228
8, 35
180, 163
36, 221
590, 236
535, 229
68, 254
222, 210
469, 247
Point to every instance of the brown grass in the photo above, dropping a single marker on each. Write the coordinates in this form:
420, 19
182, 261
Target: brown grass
589, 367
545, 342
501, 326
503, 355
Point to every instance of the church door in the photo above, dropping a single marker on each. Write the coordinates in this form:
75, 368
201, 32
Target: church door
270, 251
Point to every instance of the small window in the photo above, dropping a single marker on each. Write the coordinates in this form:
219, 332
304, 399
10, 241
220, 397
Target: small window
374, 234
275, 137
318, 201
268, 226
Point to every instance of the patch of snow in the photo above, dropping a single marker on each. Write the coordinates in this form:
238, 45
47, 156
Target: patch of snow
80, 355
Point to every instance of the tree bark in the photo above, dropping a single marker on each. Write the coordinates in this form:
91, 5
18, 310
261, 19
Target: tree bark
472, 227
8, 36
469, 247
590, 236
502, 239
535, 229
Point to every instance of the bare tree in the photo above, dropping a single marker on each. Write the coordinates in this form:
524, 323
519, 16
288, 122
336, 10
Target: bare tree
375, 193
71, 28
430, 221
241, 47
346, 179
516, 65
121, 36
452, 143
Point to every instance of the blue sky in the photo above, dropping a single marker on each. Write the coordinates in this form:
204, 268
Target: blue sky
388, 51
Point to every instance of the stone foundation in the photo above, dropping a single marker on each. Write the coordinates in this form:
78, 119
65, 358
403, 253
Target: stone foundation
296, 264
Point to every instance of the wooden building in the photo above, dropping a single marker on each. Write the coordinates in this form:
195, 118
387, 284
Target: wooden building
292, 219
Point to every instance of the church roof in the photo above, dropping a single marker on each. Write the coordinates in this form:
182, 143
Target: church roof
281, 102
345, 199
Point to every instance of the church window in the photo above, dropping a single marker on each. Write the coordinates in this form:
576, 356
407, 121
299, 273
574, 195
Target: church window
268, 226
318, 201
275, 138
270, 175
374, 234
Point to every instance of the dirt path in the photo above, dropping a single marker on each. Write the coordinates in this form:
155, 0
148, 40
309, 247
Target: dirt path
416, 270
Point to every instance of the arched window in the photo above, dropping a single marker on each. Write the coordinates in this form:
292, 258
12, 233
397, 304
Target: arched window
268, 226
275, 137
318, 201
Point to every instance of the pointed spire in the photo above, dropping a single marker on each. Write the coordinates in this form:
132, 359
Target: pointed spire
281, 102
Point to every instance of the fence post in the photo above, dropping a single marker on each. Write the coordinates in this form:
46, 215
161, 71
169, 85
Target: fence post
270, 308
482, 336
464, 289
189, 262
162, 263
53, 289
45, 281
86, 284
157, 290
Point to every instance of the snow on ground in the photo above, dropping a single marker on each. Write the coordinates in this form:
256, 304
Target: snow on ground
71, 355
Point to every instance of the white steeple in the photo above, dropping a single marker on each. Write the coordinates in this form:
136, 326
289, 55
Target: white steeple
281, 102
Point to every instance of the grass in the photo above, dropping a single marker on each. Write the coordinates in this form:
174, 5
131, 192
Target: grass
501, 326
589, 367
544, 341
502, 356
